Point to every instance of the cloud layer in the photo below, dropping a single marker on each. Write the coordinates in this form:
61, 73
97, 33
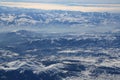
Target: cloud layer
84, 8
68, 1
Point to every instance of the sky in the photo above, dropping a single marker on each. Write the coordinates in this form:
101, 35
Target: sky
70, 1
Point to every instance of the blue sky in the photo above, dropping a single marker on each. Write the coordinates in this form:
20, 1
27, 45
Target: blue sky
69, 1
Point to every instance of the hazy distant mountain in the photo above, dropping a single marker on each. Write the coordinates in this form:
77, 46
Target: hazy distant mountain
30, 17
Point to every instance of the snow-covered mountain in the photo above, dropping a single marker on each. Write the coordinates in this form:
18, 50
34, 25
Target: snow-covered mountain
54, 54
29, 17
45, 56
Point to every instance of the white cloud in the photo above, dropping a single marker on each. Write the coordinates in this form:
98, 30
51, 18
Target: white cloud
68, 1
85, 8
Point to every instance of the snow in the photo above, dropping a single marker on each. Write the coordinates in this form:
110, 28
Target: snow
34, 50
111, 63
7, 53
75, 51
14, 65
25, 20
68, 51
8, 18
57, 17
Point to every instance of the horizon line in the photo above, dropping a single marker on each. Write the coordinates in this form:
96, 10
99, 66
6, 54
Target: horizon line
51, 6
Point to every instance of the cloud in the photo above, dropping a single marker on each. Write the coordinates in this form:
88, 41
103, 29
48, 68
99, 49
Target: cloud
84, 8
68, 1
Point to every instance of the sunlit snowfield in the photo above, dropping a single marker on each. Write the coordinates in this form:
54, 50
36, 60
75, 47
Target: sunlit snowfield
37, 43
